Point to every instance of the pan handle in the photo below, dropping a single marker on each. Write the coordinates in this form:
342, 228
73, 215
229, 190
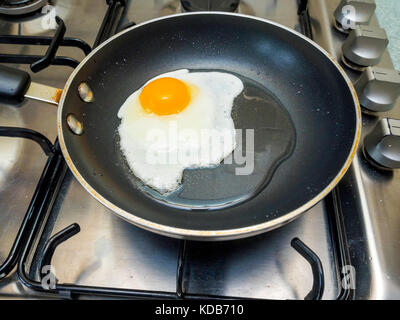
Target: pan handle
16, 85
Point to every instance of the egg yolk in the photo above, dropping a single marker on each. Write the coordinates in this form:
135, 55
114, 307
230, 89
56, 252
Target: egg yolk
165, 96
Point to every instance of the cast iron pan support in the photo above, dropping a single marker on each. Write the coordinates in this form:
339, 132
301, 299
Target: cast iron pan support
40, 139
47, 179
180, 268
316, 266
51, 51
38, 63
305, 21
112, 20
55, 167
53, 242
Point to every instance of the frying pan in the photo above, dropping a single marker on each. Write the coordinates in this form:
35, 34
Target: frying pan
300, 103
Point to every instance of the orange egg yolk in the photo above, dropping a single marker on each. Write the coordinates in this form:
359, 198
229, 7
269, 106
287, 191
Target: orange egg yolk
165, 96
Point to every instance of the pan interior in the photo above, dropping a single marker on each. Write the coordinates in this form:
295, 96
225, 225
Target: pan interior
265, 138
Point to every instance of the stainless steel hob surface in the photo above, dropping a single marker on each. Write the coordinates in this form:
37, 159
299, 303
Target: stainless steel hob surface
109, 252
370, 196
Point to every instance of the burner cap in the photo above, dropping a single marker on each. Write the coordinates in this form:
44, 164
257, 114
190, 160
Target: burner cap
20, 7
210, 5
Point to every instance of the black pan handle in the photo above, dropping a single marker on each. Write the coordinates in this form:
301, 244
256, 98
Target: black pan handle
14, 84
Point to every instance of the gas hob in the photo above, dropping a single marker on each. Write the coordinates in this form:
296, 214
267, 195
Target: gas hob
353, 233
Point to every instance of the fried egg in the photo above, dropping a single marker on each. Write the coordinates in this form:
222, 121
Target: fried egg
175, 121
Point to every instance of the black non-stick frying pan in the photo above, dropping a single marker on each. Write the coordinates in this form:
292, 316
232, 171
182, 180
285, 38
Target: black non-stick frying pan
299, 101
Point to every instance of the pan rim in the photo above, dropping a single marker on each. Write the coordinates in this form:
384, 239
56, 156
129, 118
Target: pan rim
210, 235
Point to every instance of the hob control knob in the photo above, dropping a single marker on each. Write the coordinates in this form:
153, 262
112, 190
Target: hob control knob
382, 145
378, 89
365, 45
349, 13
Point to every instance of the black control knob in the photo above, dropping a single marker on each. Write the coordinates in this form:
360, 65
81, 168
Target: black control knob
365, 46
378, 89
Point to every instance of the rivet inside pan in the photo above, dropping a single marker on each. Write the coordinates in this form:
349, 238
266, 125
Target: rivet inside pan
85, 92
75, 125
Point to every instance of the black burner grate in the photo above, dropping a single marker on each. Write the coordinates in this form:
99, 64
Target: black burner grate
51, 179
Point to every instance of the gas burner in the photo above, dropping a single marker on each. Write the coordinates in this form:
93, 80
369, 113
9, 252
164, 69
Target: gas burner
215, 5
179, 6
20, 7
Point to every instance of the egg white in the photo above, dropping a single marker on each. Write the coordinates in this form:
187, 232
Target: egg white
204, 130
